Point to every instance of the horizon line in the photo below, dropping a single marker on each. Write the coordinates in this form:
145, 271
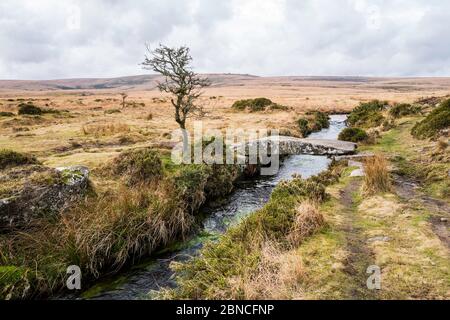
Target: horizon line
237, 74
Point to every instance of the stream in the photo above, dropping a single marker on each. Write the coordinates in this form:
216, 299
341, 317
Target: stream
155, 273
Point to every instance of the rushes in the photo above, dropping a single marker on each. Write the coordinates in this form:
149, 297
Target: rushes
377, 178
112, 230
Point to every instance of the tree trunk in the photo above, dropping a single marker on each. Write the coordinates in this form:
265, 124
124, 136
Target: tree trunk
186, 148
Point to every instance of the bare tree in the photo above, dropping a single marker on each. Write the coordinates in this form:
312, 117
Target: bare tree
180, 81
124, 96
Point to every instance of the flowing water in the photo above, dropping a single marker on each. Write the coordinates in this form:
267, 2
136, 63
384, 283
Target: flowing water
154, 274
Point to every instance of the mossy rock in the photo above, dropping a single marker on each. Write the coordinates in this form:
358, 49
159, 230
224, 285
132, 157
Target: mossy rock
33, 192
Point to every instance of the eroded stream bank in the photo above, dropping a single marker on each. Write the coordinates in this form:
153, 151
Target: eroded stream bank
155, 273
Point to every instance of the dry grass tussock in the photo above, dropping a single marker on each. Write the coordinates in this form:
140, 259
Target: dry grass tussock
278, 276
377, 178
308, 219
442, 145
109, 231
105, 129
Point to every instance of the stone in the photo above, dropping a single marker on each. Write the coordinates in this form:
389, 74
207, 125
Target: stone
356, 157
379, 239
291, 146
352, 163
59, 191
357, 173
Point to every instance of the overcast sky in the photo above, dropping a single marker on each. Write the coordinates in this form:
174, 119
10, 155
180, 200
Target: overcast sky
49, 39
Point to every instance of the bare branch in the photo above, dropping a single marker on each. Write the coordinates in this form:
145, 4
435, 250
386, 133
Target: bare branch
179, 80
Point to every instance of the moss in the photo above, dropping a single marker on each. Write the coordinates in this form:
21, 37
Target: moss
353, 135
14, 282
431, 126
29, 109
103, 286
367, 115
9, 158
66, 176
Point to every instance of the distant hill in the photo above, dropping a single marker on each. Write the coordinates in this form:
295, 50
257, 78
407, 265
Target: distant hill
125, 83
226, 80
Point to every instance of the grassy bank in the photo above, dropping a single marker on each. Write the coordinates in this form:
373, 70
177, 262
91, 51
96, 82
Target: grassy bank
151, 203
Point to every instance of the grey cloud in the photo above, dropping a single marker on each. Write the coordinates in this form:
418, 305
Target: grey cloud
38, 39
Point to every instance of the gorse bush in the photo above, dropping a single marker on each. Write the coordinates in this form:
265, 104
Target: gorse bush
376, 175
303, 126
138, 166
431, 126
29, 109
255, 105
318, 122
403, 109
353, 135
321, 121
367, 114
9, 158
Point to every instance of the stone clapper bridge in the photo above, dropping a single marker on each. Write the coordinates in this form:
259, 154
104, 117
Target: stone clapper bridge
284, 146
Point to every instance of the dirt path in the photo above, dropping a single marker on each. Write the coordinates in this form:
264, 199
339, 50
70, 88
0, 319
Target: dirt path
409, 191
360, 256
